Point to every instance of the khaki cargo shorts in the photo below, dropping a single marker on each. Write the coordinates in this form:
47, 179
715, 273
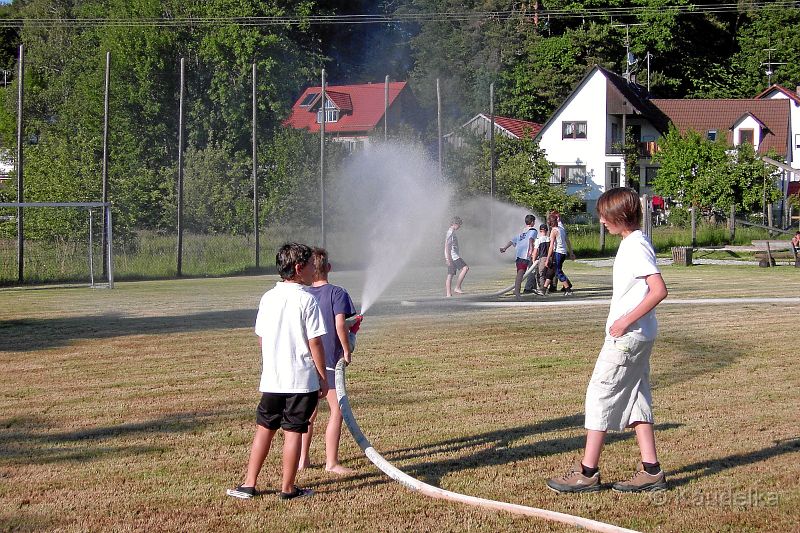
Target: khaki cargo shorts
619, 391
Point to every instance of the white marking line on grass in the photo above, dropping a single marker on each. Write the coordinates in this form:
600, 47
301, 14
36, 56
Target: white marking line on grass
578, 302
436, 492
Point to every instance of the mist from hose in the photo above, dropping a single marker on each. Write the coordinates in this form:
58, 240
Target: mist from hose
391, 201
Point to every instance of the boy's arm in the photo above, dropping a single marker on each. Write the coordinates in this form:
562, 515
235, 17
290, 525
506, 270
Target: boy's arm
344, 338
552, 247
447, 251
508, 245
318, 355
531, 247
657, 292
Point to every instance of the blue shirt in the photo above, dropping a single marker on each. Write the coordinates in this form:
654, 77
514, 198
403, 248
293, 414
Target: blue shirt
333, 300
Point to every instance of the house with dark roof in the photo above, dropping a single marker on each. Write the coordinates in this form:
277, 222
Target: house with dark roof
480, 125
352, 112
584, 138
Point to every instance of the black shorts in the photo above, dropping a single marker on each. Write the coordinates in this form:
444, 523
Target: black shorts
288, 411
457, 265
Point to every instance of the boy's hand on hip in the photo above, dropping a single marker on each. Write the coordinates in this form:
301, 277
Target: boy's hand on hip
619, 327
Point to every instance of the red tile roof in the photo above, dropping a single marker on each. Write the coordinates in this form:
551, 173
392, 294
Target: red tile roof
722, 114
361, 107
792, 95
518, 127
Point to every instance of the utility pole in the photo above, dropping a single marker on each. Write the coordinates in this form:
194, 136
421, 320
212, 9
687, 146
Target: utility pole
386, 109
648, 56
491, 159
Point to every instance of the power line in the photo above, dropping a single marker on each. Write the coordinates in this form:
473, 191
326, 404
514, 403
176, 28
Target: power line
292, 20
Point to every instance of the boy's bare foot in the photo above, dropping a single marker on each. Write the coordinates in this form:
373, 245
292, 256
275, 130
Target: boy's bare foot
458, 291
304, 465
339, 470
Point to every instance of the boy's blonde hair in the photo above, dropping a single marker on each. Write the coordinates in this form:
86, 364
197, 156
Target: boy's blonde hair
621, 207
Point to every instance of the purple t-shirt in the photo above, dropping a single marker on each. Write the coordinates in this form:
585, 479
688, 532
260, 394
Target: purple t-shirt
332, 300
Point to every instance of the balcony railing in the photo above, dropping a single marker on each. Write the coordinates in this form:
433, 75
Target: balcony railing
646, 149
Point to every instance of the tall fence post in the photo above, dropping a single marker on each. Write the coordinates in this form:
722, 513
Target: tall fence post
694, 226
386, 109
732, 223
256, 228
322, 162
602, 238
180, 172
439, 122
20, 182
105, 156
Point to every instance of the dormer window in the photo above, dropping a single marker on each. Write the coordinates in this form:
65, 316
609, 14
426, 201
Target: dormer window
331, 115
746, 136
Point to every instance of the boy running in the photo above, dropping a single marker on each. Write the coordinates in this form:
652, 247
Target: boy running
453, 259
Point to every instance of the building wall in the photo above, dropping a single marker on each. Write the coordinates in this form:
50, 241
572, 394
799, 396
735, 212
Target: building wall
589, 105
794, 114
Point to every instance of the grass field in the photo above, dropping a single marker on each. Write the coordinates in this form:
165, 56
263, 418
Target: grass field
132, 409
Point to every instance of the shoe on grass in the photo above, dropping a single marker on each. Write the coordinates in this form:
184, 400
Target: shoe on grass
568, 292
575, 481
642, 482
296, 493
242, 492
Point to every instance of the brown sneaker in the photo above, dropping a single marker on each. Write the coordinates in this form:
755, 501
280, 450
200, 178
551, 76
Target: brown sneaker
575, 481
642, 482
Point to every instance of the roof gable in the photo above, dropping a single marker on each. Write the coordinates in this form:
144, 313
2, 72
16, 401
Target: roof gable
361, 106
780, 89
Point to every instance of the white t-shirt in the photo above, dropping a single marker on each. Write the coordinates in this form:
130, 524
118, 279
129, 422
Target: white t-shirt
561, 240
287, 317
451, 241
521, 241
635, 260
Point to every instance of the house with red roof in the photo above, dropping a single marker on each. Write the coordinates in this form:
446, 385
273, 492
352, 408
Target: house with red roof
481, 126
352, 112
584, 137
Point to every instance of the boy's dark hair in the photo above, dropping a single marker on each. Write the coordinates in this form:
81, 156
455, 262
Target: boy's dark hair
290, 255
456, 220
320, 258
543, 226
621, 206
529, 219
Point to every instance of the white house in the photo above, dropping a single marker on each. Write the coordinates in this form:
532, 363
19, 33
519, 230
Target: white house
584, 137
776, 92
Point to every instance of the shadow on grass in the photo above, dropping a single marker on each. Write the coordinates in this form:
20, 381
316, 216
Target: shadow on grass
494, 448
694, 357
32, 447
36, 334
715, 466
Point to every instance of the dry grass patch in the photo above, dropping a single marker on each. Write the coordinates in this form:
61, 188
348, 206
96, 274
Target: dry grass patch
132, 409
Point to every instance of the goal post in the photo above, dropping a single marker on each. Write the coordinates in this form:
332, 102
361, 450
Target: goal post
106, 232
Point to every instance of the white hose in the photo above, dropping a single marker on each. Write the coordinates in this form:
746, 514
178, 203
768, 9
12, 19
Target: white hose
436, 492
528, 272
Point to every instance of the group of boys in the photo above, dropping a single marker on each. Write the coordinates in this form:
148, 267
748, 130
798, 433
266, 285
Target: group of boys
533, 256
302, 338
305, 325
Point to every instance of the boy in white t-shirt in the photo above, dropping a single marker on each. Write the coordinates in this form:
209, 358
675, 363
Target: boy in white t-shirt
290, 329
618, 395
524, 248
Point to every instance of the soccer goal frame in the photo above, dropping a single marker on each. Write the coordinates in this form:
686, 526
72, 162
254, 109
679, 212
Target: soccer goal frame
89, 206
